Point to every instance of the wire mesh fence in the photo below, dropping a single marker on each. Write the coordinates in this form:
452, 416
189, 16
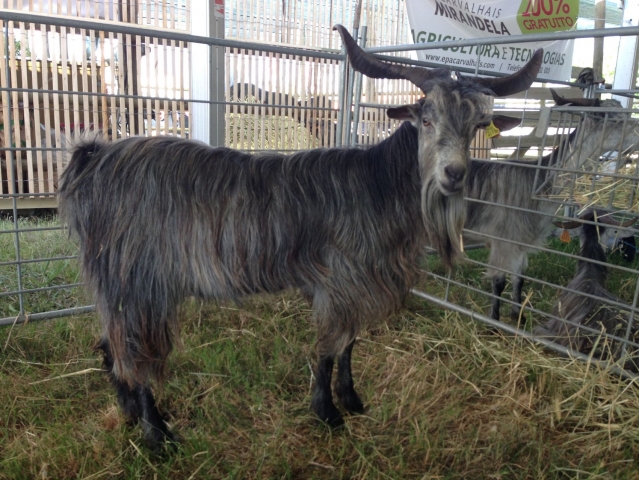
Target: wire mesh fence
575, 288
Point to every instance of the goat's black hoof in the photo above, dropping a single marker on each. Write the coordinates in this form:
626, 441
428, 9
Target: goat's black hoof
160, 439
517, 318
335, 422
165, 449
351, 402
329, 414
171, 445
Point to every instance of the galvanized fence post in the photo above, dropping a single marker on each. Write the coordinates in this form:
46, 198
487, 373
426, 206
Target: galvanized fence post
359, 78
343, 70
348, 111
12, 175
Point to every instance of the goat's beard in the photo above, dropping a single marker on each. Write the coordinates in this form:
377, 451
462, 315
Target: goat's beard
444, 217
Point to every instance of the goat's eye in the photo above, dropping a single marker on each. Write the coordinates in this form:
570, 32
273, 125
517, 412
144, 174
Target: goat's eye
426, 123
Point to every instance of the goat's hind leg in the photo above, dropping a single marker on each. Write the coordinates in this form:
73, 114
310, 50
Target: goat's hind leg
344, 387
138, 404
322, 402
127, 398
156, 431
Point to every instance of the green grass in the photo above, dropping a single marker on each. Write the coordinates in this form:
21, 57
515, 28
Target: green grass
445, 398
553, 268
34, 245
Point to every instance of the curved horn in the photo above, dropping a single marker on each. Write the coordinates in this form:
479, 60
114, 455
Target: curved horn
518, 81
568, 224
587, 214
374, 68
616, 223
578, 102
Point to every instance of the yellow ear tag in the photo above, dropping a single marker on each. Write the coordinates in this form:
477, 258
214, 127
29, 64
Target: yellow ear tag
565, 236
492, 131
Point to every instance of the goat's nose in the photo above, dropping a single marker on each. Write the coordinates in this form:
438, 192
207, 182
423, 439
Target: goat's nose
455, 173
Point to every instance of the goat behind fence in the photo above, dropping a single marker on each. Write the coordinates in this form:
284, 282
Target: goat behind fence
505, 211
584, 319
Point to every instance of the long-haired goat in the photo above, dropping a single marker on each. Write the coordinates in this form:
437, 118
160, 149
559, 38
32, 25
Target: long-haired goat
506, 185
574, 310
160, 219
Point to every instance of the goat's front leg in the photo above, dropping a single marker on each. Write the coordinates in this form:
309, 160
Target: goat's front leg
344, 387
499, 283
322, 402
518, 285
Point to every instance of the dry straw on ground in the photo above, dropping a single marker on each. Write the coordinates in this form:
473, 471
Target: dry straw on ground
445, 398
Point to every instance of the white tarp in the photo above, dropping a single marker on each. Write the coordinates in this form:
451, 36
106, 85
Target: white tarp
442, 20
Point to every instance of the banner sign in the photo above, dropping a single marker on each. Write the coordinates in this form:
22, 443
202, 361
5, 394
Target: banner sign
442, 20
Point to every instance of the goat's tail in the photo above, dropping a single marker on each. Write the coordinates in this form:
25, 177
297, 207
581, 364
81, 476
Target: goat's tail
82, 155
81, 151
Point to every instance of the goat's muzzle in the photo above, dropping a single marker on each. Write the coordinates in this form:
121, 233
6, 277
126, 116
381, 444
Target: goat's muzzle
454, 179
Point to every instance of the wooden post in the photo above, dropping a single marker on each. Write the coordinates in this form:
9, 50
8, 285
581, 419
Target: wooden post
128, 10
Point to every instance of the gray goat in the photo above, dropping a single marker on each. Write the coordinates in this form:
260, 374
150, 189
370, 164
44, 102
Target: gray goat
161, 219
513, 213
574, 310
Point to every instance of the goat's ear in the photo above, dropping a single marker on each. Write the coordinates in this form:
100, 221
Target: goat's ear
405, 113
505, 123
